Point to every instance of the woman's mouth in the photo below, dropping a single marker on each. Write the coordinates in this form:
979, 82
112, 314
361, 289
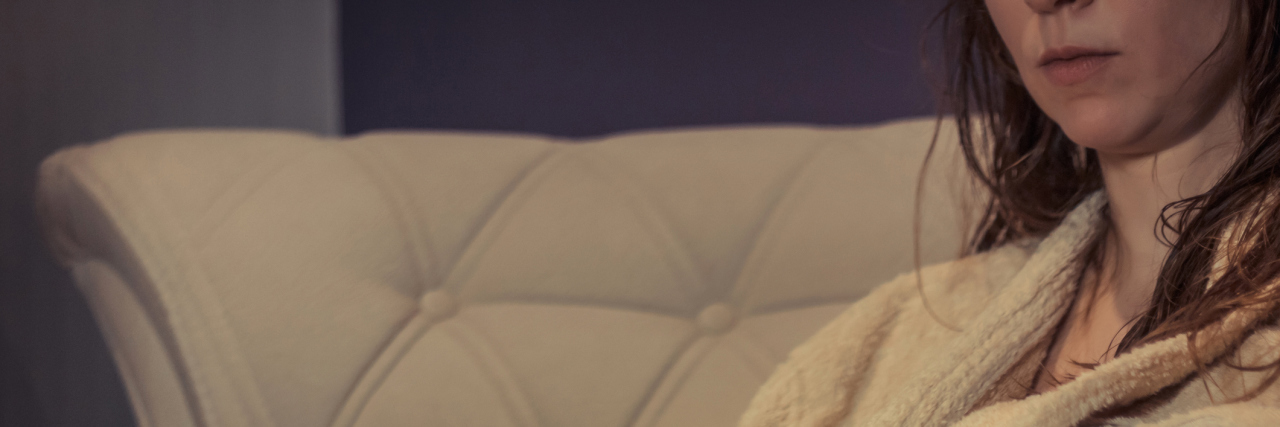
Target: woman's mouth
1069, 65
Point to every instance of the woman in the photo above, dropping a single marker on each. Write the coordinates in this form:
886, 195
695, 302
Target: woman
1126, 269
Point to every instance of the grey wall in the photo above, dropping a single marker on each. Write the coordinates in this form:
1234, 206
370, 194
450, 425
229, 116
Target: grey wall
74, 71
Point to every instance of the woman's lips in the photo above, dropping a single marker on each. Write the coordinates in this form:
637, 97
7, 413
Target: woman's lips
1070, 65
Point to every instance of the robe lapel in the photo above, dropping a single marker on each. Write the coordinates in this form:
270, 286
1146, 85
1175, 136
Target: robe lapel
1021, 315
1133, 375
1139, 373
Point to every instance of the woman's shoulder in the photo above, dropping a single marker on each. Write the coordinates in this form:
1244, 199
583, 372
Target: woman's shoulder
968, 282
955, 289
848, 346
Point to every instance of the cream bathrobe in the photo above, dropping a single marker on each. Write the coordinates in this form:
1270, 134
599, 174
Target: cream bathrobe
887, 362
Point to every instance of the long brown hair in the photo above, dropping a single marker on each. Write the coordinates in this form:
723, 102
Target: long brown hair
1033, 175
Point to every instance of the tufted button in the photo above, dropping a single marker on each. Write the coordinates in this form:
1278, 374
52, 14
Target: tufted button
716, 319
438, 305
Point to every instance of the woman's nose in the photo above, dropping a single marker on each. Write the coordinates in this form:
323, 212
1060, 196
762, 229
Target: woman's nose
1050, 6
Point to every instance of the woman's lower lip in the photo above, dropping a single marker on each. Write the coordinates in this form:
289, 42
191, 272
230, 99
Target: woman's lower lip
1075, 70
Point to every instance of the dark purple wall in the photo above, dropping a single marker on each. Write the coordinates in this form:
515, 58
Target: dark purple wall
577, 68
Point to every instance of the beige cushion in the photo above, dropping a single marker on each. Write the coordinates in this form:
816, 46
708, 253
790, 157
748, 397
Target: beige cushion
246, 278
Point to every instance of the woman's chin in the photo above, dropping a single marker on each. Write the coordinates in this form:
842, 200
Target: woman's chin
1107, 132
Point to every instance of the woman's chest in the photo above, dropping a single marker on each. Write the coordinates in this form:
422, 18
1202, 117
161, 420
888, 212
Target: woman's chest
1086, 338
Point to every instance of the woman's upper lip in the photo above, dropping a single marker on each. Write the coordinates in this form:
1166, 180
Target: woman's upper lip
1071, 52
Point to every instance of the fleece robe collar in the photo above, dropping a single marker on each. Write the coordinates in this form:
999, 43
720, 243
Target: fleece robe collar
1023, 314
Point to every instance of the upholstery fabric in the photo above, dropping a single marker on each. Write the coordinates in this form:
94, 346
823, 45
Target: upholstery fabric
266, 278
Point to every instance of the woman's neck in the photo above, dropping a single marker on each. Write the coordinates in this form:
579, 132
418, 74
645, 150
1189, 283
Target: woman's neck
1139, 187
1119, 289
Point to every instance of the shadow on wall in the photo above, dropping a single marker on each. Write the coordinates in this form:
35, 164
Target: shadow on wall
18, 406
76, 71
588, 68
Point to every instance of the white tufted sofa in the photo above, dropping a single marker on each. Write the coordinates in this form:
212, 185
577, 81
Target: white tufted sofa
259, 278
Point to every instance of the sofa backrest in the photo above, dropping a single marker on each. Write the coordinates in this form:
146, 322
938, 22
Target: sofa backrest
259, 278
